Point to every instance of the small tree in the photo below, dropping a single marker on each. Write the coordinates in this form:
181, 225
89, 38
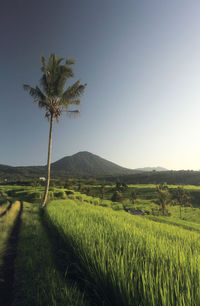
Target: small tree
79, 187
163, 196
67, 184
116, 197
181, 197
124, 187
133, 196
87, 190
102, 191
35, 183
118, 186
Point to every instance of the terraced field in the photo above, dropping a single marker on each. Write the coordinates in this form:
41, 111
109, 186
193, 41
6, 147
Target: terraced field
130, 260
82, 250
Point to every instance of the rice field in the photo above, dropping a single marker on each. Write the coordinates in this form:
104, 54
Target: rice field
130, 259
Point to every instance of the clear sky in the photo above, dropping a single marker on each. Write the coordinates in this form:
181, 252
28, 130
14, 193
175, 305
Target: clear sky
141, 61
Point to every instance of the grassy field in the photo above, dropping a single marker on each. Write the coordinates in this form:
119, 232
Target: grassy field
130, 260
84, 250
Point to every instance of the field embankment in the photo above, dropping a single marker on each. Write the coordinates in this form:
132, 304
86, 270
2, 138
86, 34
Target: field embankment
9, 228
4, 207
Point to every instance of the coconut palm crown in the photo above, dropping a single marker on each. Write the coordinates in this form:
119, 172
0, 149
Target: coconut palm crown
54, 97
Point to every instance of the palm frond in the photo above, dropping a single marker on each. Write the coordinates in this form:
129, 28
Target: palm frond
71, 95
74, 102
45, 83
59, 60
61, 77
44, 104
70, 61
26, 87
73, 113
43, 61
38, 96
36, 93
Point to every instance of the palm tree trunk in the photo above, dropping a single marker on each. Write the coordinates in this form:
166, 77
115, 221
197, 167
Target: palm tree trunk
48, 162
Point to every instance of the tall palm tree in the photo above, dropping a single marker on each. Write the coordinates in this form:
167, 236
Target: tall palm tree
54, 98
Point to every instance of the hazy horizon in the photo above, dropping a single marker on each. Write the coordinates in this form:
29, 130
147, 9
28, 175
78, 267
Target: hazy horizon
141, 63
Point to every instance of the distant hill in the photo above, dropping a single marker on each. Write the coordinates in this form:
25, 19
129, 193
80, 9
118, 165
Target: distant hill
10, 172
180, 177
82, 164
148, 169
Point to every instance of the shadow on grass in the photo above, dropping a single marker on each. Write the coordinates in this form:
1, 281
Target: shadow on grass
69, 265
7, 209
7, 270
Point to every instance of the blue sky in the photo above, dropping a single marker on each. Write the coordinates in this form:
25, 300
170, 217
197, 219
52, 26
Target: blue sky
141, 61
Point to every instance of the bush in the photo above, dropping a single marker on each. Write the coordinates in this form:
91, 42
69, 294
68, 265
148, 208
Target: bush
50, 195
68, 192
72, 197
116, 197
60, 194
96, 201
117, 206
36, 195
79, 197
105, 203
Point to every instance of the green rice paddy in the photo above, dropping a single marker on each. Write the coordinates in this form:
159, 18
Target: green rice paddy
84, 250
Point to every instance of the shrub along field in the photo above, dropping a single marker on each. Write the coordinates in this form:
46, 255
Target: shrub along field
144, 192
85, 250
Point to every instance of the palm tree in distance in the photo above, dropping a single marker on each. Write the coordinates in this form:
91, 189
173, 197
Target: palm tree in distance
54, 98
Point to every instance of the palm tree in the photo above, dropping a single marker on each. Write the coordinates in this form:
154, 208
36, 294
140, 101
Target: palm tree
54, 98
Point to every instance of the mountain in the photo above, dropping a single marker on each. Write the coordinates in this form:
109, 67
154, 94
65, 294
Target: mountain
87, 164
80, 164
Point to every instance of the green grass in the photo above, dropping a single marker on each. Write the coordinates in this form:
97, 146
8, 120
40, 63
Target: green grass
131, 260
3, 206
6, 225
191, 226
37, 281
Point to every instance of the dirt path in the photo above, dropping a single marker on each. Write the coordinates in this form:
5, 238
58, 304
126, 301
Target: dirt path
7, 209
7, 270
